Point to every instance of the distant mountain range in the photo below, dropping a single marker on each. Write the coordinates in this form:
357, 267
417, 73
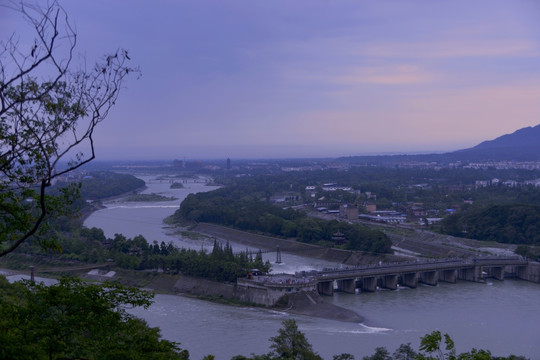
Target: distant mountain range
521, 145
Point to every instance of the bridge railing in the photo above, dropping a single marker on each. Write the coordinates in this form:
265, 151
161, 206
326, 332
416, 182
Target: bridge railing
416, 266
312, 277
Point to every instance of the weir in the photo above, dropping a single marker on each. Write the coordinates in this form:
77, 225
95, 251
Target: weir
449, 276
326, 288
496, 272
269, 289
347, 285
410, 280
409, 274
471, 274
369, 284
389, 282
429, 277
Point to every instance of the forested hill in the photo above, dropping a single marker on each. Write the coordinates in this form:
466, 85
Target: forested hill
521, 145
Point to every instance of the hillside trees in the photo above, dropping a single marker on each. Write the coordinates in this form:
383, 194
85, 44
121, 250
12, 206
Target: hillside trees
49, 109
509, 223
72, 320
245, 206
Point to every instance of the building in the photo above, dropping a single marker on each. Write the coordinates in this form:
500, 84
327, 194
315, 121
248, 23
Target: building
370, 207
348, 212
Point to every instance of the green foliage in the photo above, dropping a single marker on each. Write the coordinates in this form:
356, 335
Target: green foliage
380, 354
220, 265
291, 343
245, 206
177, 185
73, 320
103, 184
431, 343
435, 346
528, 252
405, 352
343, 357
514, 224
149, 197
48, 113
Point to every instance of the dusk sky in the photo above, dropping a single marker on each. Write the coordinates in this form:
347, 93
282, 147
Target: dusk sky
312, 78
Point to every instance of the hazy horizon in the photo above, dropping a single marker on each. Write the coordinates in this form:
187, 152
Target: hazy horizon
310, 78
301, 153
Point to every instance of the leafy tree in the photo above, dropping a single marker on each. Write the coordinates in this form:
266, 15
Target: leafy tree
431, 343
380, 354
48, 112
431, 348
405, 352
343, 357
291, 343
72, 320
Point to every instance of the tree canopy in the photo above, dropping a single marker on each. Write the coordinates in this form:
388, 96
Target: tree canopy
73, 320
50, 105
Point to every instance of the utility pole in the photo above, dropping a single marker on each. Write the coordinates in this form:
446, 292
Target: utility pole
32, 273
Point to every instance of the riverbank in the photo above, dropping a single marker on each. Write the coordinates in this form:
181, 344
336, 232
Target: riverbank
346, 257
300, 303
307, 303
312, 304
97, 205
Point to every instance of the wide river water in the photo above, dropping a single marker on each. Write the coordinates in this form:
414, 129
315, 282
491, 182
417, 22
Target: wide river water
501, 316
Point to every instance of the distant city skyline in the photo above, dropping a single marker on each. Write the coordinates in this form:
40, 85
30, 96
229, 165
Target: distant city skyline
310, 78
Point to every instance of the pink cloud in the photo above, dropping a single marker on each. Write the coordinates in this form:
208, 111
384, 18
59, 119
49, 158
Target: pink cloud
454, 48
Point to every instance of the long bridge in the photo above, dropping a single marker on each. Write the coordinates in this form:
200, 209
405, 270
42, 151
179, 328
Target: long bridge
33, 270
368, 278
410, 274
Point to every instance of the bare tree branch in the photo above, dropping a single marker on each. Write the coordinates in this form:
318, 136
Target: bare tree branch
48, 114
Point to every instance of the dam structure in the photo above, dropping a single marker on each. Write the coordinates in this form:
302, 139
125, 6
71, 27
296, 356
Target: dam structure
410, 274
368, 278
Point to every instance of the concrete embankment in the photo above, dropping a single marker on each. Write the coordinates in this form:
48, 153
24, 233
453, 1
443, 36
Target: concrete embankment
532, 273
312, 304
346, 257
308, 303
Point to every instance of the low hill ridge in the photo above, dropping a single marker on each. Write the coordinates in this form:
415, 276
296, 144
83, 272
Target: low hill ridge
521, 145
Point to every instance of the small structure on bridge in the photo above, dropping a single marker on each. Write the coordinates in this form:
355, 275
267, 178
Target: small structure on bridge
269, 289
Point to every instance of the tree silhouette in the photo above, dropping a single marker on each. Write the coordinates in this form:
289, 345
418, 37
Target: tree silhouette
49, 109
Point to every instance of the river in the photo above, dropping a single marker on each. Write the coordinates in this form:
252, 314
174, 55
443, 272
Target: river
500, 316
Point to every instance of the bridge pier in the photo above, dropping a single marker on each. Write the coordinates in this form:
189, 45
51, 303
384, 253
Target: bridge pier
347, 285
431, 272
326, 288
521, 272
449, 276
369, 284
410, 279
496, 272
471, 274
389, 282
429, 277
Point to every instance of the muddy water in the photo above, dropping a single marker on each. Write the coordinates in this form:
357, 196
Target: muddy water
501, 316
